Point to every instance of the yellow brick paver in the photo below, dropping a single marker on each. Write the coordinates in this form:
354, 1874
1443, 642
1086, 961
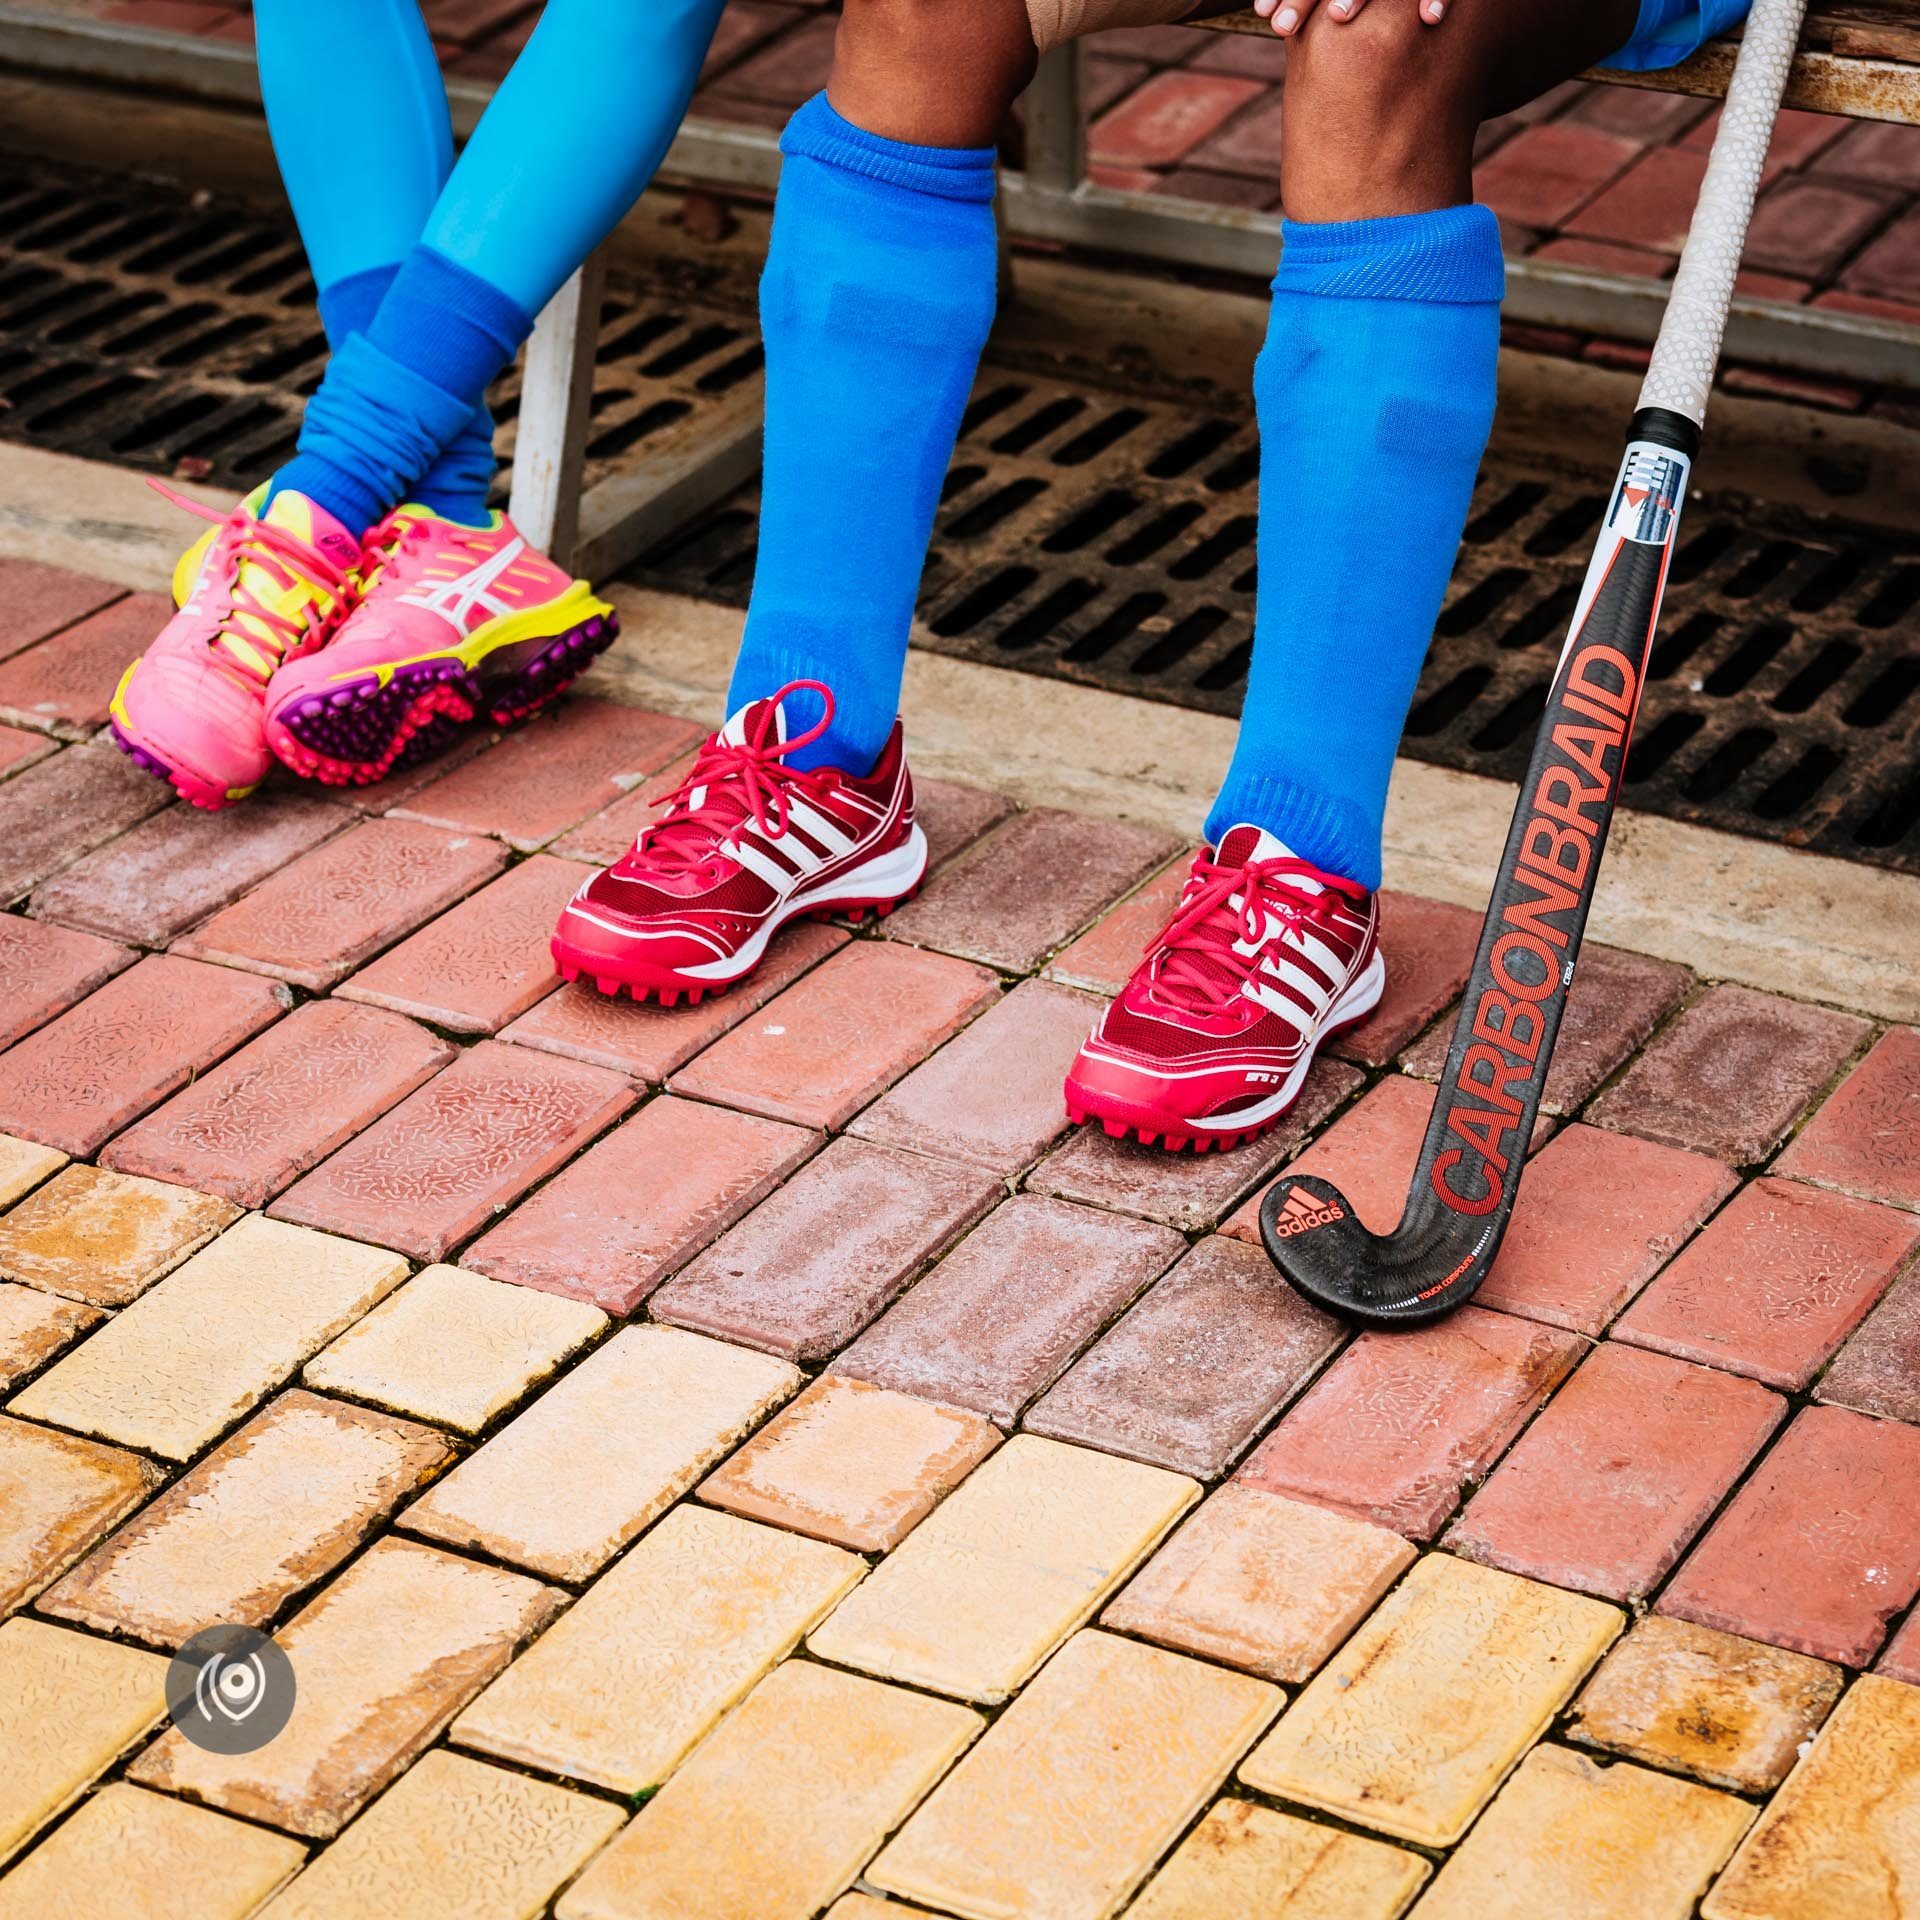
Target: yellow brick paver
1261, 1582
133, 1855
455, 1348
1417, 1719
104, 1237
270, 1512
453, 1836
58, 1495
619, 1688
1730, 1711
1580, 1841
1841, 1840
383, 1659
997, 1576
1252, 1860
191, 1355
70, 1705
23, 1165
778, 1811
1080, 1786
604, 1451
853, 1463
34, 1327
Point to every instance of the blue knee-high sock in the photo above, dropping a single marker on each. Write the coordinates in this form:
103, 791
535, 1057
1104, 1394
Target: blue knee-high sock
362, 169
573, 134
877, 297
457, 483
1374, 394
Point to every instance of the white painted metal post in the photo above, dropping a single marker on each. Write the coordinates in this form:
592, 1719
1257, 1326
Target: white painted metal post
556, 400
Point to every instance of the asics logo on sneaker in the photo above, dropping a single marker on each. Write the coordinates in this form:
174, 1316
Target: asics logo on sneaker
1301, 1215
455, 601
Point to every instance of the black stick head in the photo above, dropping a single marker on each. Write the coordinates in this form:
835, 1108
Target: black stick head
1415, 1274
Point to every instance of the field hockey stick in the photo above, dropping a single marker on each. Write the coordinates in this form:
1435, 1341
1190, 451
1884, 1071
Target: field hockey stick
1476, 1142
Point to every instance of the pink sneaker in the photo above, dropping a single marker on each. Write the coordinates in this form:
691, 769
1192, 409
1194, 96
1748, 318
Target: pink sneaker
267, 588
451, 621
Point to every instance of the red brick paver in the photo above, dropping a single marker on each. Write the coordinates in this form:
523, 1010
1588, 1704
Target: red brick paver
809, 1267
317, 920
45, 970
991, 1095
36, 601
549, 776
1545, 173
650, 1041
841, 1034
1775, 1283
641, 1203
462, 1148
63, 684
255, 1123
127, 1046
1368, 1153
1820, 1549
1168, 117
1429, 949
1866, 1138
1195, 1368
1617, 1000
482, 962
953, 816
1623, 1467
1104, 957
66, 806
1598, 1215
1014, 896
155, 882
1878, 1370
999, 1319
1650, 205
1188, 1190
1401, 1421
1732, 1074
19, 749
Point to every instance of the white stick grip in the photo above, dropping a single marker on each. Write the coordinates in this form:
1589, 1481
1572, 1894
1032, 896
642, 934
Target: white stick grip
1680, 375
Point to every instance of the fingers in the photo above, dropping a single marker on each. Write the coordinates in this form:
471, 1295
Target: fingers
1288, 16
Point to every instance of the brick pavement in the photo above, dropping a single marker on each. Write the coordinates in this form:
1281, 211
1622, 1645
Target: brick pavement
701, 1459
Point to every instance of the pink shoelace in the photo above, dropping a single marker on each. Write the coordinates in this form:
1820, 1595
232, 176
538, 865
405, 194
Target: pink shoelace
287, 561
747, 783
1199, 961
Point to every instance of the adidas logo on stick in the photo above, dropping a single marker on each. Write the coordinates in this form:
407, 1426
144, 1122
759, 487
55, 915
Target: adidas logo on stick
1301, 1215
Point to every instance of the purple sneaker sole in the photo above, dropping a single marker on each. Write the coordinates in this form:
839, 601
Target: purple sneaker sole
365, 729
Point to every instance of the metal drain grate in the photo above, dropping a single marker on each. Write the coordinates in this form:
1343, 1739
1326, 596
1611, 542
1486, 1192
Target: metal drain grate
178, 334
1087, 535
1111, 541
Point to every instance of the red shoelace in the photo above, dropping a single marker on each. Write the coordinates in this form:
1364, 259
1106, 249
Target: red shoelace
1200, 964
747, 783
287, 561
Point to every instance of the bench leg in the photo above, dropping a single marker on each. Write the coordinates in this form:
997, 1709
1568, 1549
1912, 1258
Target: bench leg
556, 399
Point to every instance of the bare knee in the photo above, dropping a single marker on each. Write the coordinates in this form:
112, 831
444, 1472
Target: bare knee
1379, 115
934, 72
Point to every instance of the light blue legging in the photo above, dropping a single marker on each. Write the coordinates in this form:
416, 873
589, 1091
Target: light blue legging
360, 128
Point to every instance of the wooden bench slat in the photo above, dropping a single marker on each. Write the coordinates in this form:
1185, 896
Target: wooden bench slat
1857, 59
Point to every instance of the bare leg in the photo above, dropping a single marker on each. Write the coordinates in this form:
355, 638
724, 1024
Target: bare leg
929, 71
1381, 110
